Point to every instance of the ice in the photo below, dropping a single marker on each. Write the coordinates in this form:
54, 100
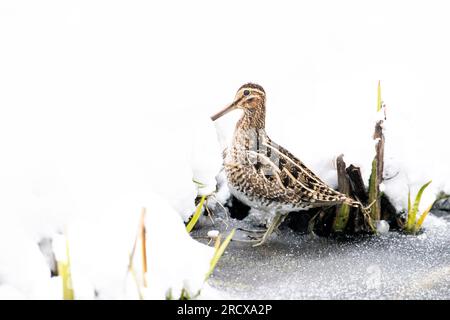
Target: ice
382, 227
292, 266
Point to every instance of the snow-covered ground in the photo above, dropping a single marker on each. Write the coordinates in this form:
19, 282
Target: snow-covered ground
104, 109
293, 266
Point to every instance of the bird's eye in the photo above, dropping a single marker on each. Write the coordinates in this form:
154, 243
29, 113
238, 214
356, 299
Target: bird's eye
246, 92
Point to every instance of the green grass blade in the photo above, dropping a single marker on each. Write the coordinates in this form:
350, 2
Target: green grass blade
409, 221
184, 295
379, 96
64, 271
422, 218
373, 192
198, 183
218, 254
196, 215
409, 200
169, 295
416, 204
341, 218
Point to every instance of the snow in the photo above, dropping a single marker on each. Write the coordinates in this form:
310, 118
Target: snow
213, 234
8, 292
382, 227
100, 250
23, 269
104, 109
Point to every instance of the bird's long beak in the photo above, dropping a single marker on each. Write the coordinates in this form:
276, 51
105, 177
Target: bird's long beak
225, 110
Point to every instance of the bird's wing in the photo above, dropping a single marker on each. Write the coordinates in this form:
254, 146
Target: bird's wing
252, 177
283, 167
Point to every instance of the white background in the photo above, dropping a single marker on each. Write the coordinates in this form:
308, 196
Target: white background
99, 91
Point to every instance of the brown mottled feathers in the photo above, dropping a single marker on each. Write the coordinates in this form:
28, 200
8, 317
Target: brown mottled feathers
272, 173
297, 176
252, 85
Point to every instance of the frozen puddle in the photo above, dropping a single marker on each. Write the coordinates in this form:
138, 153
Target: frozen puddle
294, 266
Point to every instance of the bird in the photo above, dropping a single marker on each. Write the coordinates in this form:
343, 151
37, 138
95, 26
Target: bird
264, 175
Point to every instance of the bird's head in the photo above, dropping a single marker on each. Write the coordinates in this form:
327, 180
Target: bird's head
250, 98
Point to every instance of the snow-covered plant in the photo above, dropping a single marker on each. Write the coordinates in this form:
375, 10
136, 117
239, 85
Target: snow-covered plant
196, 215
412, 224
139, 235
379, 101
373, 191
220, 249
64, 271
377, 163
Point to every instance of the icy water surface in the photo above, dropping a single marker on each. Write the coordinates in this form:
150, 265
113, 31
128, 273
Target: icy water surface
293, 266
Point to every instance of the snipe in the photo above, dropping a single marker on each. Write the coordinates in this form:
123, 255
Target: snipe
264, 175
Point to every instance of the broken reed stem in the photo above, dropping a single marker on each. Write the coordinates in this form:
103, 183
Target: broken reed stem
133, 273
140, 227
140, 234
379, 148
227, 213
144, 247
376, 177
359, 191
357, 183
374, 190
342, 211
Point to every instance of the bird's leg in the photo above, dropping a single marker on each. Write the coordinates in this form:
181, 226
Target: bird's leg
253, 235
277, 220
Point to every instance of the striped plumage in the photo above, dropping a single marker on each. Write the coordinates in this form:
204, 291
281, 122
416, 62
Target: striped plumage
265, 175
